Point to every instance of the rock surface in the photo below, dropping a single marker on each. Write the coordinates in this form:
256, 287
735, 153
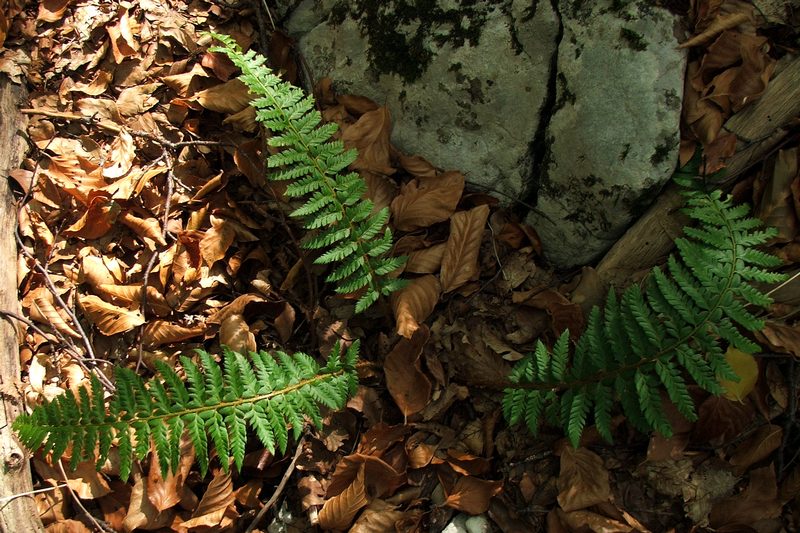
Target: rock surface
568, 104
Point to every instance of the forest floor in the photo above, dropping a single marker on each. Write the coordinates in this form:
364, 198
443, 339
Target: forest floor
147, 230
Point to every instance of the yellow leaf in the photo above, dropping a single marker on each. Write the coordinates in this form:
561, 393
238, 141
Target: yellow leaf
745, 366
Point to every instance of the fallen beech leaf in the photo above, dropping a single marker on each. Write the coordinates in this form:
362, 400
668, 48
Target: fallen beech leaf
141, 512
166, 493
120, 159
746, 367
284, 322
185, 84
217, 239
356, 104
776, 207
380, 190
220, 64
230, 97
370, 136
378, 517
780, 337
158, 332
68, 526
236, 335
216, 500
417, 166
589, 521
51, 10
583, 480
43, 310
380, 478
426, 261
144, 227
414, 303
720, 24
99, 218
109, 318
757, 502
85, 480
136, 100
409, 386
460, 259
338, 512
123, 43
472, 495
131, 295
426, 201
563, 313
757, 447
247, 494
720, 419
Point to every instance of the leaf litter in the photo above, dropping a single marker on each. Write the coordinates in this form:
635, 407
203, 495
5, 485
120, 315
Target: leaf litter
148, 229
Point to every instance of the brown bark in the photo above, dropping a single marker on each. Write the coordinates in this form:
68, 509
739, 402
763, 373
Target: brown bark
19, 514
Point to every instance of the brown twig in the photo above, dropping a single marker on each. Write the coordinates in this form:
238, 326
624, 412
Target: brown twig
279, 488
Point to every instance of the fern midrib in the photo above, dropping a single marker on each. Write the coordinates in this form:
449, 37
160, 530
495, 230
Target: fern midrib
215, 407
360, 243
604, 375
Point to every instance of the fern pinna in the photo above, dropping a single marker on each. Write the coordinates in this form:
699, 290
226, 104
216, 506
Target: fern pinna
265, 393
353, 236
651, 339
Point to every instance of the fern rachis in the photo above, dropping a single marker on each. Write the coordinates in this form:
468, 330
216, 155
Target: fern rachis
654, 339
267, 393
349, 234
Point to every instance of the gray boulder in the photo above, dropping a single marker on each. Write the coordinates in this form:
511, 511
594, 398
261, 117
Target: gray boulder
571, 105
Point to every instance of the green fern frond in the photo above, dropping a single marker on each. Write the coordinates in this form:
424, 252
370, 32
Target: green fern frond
654, 340
266, 393
350, 233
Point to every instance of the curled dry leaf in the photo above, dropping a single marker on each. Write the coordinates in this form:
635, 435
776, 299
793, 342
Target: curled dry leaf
780, 337
131, 295
236, 335
417, 166
583, 480
123, 44
757, 502
472, 495
165, 493
158, 332
378, 517
43, 310
214, 503
414, 303
217, 239
100, 216
460, 259
370, 136
144, 227
142, 514
720, 24
426, 201
85, 480
120, 159
409, 386
776, 208
109, 319
427, 260
757, 447
338, 512
230, 97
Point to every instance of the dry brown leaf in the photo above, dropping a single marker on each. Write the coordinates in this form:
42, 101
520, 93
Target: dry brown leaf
235, 333
563, 313
414, 303
370, 136
417, 166
144, 227
409, 386
158, 332
720, 419
472, 495
51, 10
380, 478
141, 512
214, 503
757, 447
720, 24
338, 512
136, 100
380, 190
166, 493
131, 295
284, 322
230, 97
247, 494
123, 44
85, 480
426, 201
217, 239
121, 157
186, 83
68, 526
758, 501
109, 319
43, 309
589, 521
378, 517
99, 218
583, 480
776, 208
780, 337
357, 105
460, 259
426, 261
